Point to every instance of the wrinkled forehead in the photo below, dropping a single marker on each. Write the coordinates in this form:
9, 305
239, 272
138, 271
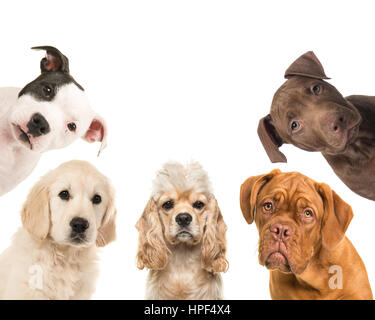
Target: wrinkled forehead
291, 188
55, 80
185, 196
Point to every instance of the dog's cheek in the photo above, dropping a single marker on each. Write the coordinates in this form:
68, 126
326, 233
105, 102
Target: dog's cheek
301, 253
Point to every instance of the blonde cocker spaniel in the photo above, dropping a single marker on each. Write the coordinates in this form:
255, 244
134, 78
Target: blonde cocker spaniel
67, 215
182, 236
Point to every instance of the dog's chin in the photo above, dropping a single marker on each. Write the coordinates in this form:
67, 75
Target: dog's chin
186, 237
277, 261
80, 241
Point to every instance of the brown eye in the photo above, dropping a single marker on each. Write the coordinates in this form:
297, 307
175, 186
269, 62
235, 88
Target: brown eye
198, 205
168, 205
267, 206
96, 199
64, 195
72, 126
308, 213
316, 89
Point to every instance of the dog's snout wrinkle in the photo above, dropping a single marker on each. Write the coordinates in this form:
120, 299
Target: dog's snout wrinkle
38, 125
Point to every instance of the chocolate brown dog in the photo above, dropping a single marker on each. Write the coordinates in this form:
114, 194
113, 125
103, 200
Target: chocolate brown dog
311, 114
302, 226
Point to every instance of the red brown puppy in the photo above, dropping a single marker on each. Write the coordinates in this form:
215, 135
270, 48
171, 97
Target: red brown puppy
302, 242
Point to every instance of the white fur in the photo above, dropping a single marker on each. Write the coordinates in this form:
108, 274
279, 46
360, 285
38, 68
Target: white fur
68, 269
175, 176
17, 159
67, 272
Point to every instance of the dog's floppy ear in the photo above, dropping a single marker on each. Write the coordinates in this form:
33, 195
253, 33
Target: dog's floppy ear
97, 131
249, 193
214, 245
336, 219
36, 212
306, 65
53, 61
152, 250
107, 229
270, 139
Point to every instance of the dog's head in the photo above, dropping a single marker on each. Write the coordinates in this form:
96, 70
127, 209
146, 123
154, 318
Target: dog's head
52, 111
72, 205
295, 217
182, 211
309, 113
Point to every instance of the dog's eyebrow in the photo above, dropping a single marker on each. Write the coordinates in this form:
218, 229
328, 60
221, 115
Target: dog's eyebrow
303, 202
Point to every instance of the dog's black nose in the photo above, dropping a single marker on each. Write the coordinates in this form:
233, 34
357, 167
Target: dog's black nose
38, 125
183, 219
79, 225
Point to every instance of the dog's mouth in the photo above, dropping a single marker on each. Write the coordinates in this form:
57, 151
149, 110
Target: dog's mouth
352, 134
23, 136
277, 260
347, 138
78, 238
184, 235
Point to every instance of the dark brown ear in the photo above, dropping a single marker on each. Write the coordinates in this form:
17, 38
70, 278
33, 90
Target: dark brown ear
249, 192
306, 65
53, 61
270, 139
337, 216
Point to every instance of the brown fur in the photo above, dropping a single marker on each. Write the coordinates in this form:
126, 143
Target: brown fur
342, 129
313, 244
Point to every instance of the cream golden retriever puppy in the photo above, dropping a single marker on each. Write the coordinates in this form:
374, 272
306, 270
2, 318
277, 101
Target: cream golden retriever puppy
182, 236
67, 215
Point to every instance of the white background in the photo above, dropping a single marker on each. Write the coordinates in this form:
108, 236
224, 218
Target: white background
182, 80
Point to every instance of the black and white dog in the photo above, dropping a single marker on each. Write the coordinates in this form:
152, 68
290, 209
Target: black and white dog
48, 113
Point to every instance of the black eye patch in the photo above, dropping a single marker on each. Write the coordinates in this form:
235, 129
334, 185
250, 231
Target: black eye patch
46, 86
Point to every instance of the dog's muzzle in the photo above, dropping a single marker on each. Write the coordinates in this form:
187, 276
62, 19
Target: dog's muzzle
79, 227
38, 125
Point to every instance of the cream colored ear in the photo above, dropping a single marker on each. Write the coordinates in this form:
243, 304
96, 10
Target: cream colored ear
214, 244
36, 212
107, 230
152, 250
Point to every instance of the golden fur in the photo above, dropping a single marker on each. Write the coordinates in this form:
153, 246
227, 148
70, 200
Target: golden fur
182, 265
